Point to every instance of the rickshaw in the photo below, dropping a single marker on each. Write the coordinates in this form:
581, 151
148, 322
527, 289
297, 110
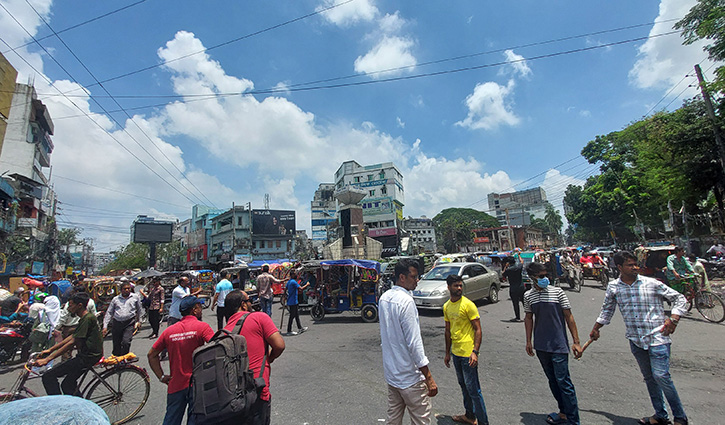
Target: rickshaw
102, 289
342, 285
205, 279
278, 268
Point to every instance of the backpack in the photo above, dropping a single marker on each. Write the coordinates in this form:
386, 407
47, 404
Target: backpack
223, 385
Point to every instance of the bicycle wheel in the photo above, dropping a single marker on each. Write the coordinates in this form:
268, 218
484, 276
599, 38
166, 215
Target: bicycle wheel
8, 397
128, 392
710, 306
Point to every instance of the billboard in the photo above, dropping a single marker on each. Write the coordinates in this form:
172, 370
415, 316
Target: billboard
158, 232
273, 222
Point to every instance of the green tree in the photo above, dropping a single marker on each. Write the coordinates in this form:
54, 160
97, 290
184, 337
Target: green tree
169, 255
454, 226
131, 256
706, 21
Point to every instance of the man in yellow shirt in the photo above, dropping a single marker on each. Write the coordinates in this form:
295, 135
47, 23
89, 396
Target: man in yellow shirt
463, 339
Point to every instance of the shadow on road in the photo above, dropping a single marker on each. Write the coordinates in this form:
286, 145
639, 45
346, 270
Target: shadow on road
616, 419
528, 418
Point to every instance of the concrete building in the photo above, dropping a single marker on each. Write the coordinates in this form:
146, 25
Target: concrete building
100, 260
198, 240
231, 235
519, 206
422, 234
324, 212
273, 234
383, 205
8, 75
506, 238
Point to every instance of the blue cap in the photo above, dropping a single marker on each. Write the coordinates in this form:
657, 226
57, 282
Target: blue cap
188, 302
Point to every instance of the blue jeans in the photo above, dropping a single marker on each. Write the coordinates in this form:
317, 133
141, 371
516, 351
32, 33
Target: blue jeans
176, 403
655, 366
471, 388
556, 368
266, 305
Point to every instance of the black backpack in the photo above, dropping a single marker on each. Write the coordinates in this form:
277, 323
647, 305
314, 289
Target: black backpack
223, 385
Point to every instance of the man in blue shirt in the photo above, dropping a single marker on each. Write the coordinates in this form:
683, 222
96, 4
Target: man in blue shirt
292, 304
220, 294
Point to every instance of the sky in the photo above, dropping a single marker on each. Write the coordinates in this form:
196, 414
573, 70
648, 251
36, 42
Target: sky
162, 105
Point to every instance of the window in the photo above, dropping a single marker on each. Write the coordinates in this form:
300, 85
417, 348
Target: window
372, 192
261, 244
357, 179
239, 221
382, 174
384, 190
279, 244
370, 177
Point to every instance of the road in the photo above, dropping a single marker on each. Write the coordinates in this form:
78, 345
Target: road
332, 374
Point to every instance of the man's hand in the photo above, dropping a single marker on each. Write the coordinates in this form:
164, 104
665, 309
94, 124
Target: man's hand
56, 333
165, 379
529, 348
41, 362
104, 332
594, 334
44, 353
669, 327
473, 360
577, 350
432, 387
447, 360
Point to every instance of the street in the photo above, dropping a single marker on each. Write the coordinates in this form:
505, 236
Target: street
332, 374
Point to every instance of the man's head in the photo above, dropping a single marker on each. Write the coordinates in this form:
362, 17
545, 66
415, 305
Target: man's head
125, 289
237, 300
692, 258
265, 268
406, 273
183, 281
293, 274
626, 263
455, 286
78, 303
679, 251
537, 272
19, 292
191, 305
223, 274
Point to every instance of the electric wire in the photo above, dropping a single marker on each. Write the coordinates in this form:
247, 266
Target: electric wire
119, 191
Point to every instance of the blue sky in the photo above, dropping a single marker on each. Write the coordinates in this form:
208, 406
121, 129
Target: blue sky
514, 105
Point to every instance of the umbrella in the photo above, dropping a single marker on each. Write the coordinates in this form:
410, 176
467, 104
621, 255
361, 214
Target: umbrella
147, 273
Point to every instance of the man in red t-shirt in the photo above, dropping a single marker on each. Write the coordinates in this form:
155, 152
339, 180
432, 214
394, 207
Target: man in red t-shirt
180, 340
262, 338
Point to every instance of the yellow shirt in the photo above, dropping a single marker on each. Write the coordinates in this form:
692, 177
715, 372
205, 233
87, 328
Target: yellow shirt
459, 314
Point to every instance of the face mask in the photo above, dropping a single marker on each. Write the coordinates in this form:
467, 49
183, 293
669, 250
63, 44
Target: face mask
542, 283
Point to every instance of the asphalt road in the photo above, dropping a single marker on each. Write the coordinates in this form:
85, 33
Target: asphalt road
332, 374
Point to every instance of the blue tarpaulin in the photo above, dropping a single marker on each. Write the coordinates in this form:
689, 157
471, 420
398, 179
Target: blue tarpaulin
260, 263
366, 264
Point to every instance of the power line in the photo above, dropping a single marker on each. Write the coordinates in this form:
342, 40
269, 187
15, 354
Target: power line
119, 191
80, 24
126, 113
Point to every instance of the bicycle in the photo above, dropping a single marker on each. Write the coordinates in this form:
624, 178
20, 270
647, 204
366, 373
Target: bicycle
115, 388
710, 306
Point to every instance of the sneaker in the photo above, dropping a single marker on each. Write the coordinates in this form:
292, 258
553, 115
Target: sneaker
293, 333
301, 330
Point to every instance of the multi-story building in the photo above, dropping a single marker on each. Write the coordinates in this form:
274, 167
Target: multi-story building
100, 260
516, 208
273, 234
8, 74
324, 213
383, 205
231, 235
422, 234
198, 240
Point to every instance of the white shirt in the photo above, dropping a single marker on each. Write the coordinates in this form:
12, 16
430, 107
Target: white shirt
403, 353
176, 296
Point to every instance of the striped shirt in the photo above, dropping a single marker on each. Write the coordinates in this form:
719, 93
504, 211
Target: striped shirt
547, 306
642, 309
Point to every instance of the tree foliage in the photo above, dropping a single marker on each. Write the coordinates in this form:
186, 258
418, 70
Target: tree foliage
454, 226
706, 21
668, 157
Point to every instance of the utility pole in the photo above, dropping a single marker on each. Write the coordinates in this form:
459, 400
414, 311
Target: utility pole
687, 231
234, 217
508, 225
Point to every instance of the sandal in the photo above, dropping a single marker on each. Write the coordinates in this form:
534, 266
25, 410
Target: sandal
553, 418
659, 421
464, 419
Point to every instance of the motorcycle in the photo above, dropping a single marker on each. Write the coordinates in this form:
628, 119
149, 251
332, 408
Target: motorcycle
14, 339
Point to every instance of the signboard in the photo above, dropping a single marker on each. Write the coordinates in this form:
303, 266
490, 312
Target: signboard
481, 240
375, 233
377, 206
38, 267
319, 235
273, 222
158, 232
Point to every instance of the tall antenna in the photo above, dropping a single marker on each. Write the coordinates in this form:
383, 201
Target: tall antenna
266, 201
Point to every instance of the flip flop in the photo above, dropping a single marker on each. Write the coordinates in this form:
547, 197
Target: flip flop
648, 421
464, 419
554, 419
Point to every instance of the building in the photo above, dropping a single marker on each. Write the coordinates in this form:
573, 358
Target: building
324, 213
273, 234
231, 236
101, 260
421, 234
198, 239
8, 74
506, 238
383, 205
516, 208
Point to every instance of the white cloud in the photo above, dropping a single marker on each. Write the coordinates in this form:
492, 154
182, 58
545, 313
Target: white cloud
489, 108
555, 184
400, 122
663, 61
350, 13
389, 53
585, 113
390, 24
517, 63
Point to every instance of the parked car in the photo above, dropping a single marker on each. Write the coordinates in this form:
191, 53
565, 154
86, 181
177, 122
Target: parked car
478, 282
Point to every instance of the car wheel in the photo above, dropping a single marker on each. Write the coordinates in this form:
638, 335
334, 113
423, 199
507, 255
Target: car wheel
493, 294
369, 313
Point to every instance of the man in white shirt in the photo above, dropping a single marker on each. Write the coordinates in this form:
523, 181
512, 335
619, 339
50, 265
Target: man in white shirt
177, 294
410, 383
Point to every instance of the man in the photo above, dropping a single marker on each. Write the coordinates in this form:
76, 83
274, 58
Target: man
716, 250
677, 266
182, 290
180, 340
293, 289
699, 269
550, 307
86, 338
260, 333
220, 293
264, 290
68, 322
639, 299
10, 304
463, 340
410, 383
512, 273
124, 316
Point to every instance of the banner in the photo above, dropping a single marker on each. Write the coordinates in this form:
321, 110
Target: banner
273, 222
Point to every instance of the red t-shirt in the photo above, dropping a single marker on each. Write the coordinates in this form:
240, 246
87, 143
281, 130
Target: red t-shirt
257, 328
180, 340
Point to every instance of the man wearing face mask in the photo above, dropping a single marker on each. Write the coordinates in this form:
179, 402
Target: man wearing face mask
551, 309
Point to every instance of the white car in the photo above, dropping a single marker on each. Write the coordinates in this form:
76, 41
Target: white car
478, 282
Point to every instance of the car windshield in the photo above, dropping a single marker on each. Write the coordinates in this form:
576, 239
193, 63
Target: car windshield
441, 272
